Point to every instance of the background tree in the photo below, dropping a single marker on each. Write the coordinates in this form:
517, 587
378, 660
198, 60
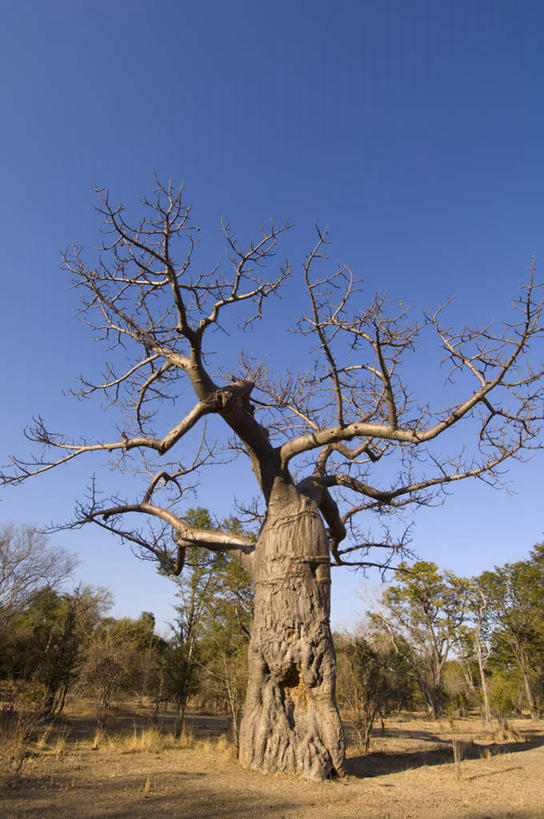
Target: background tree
147, 674
226, 638
422, 615
514, 602
58, 631
27, 565
48, 639
112, 663
313, 438
212, 593
364, 685
195, 589
475, 639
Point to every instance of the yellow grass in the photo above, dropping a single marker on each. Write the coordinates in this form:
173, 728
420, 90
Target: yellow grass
415, 768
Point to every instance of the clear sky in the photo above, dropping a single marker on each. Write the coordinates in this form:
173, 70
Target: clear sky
414, 130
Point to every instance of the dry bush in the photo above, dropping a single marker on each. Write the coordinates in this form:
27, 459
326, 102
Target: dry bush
505, 732
22, 712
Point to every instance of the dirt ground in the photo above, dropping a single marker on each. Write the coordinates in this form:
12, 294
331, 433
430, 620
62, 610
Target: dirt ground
410, 771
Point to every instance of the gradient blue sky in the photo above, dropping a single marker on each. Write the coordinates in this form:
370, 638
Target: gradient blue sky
413, 129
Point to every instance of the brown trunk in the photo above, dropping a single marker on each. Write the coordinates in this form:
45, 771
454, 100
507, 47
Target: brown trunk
533, 710
180, 718
291, 722
483, 680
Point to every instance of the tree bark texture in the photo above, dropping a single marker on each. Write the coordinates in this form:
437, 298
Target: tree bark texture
291, 722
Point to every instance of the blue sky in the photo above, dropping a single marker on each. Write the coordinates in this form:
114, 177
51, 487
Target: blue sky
413, 129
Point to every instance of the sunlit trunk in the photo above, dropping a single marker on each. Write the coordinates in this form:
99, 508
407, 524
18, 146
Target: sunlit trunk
533, 710
291, 722
483, 681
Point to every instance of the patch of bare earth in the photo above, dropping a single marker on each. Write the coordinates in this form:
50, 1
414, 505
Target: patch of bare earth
410, 772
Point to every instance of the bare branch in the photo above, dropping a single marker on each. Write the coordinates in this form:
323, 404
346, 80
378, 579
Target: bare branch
324, 429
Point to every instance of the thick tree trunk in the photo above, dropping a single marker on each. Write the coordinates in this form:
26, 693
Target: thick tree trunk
291, 722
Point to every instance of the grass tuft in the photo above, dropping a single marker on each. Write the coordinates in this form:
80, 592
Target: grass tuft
98, 740
505, 733
149, 740
218, 744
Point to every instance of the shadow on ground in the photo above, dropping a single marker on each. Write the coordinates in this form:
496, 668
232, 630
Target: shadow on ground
180, 794
380, 763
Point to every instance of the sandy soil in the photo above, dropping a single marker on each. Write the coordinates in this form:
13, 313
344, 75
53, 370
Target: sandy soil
409, 772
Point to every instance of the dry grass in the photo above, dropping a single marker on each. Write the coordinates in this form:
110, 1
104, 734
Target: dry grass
145, 740
417, 768
505, 733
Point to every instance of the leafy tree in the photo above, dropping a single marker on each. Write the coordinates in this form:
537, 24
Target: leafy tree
27, 564
113, 661
49, 637
364, 689
514, 599
214, 596
105, 671
195, 588
312, 438
226, 638
224, 660
403, 692
505, 690
474, 641
422, 614
148, 649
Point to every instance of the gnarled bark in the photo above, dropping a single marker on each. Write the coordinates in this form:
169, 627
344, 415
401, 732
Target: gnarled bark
291, 722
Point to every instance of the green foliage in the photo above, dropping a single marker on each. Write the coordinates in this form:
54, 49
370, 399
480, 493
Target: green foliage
225, 642
425, 599
27, 565
122, 657
206, 653
460, 692
505, 691
422, 613
49, 637
514, 598
55, 640
494, 624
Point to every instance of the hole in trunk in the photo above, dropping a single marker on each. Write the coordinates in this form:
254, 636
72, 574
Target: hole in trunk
286, 686
291, 679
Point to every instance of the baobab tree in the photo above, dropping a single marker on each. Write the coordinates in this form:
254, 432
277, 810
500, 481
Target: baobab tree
313, 438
